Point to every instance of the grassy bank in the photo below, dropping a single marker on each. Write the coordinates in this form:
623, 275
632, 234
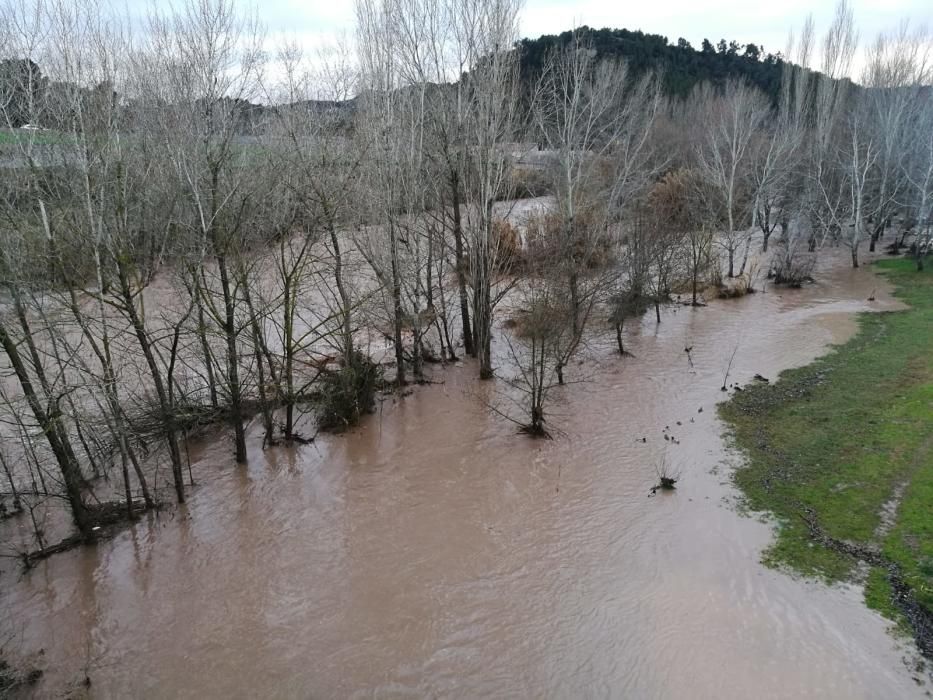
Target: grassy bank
834, 445
20, 136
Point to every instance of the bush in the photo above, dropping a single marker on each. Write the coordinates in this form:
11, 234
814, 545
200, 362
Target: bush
12, 679
667, 477
715, 273
508, 242
348, 393
528, 182
792, 267
546, 241
628, 304
737, 287
507, 246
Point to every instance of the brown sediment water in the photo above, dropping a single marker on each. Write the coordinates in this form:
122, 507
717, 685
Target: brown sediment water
435, 552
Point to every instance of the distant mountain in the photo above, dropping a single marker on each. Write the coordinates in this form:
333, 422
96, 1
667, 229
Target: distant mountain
681, 65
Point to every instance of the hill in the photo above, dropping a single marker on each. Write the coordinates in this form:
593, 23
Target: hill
681, 65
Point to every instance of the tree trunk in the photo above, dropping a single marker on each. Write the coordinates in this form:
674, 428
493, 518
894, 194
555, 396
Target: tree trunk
258, 344
140, 476
468, 345
397, 311
748, 245
575, 305
440, 320
483, 336
165, 409
105, 357
54, 432
875, 235
345, 310
288, 341
233, 372
126, 487
482, 299
38, 367
417, 354
205, 348
229, 323
17, 505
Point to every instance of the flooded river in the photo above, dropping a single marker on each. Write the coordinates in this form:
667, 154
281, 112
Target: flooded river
433, 552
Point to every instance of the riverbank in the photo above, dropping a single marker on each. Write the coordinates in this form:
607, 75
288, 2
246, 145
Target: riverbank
841, 453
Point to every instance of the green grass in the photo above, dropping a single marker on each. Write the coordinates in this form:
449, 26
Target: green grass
840, 436
19, 136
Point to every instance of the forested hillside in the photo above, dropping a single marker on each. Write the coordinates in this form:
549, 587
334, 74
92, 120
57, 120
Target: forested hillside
681, 65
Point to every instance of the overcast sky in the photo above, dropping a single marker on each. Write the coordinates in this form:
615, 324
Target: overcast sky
316, 22
764, 23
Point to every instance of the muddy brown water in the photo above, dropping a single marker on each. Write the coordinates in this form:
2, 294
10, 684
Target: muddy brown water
433, 552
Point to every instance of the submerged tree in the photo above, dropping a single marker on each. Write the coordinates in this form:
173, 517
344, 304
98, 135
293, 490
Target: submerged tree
208, 90
595, 120
724, 160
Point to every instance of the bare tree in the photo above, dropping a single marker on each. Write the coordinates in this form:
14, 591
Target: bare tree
664, 243
724, 157
209, 60
835, 152
537, 343
391, 124
486, 31
898, 65
918, 174
595, 121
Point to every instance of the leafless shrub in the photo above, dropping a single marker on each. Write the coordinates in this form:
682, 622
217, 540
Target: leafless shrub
792, 266
667, 476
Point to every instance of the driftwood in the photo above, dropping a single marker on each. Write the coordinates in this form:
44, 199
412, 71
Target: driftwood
107, 518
